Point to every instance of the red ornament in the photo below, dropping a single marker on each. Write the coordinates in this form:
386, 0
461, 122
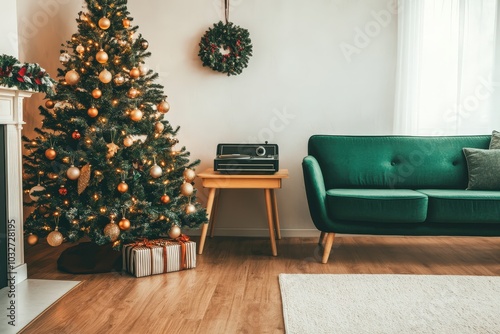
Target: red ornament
63, 191
76, 135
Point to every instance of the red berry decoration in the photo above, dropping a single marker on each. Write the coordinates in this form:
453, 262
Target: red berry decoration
76, 135
63, 191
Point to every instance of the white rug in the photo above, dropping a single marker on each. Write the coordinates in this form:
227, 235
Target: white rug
30, 298
390, 304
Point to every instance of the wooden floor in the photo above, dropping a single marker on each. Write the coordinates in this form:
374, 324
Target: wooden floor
234, 288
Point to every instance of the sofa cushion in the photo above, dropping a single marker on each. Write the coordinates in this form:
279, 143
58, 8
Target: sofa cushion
483, 169
376, 205
462, 206
495, 140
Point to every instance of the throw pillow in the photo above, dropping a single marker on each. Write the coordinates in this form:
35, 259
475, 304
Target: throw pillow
484, 169
495, 140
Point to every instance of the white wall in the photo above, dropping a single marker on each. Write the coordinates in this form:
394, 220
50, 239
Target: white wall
8, 28
299, 82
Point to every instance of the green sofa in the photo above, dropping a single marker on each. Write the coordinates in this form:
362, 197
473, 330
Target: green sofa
398, 185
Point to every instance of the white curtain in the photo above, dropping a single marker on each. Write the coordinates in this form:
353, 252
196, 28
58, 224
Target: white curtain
445, 72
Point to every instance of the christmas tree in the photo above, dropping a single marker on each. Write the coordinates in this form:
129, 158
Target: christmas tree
104, 163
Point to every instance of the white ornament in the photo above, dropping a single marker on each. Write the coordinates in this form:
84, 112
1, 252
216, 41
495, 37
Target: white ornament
64, 57
155, 171
73, 173
143, 70
36, 188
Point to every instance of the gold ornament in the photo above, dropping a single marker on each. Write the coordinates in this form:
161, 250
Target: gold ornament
32, 239
143, 70
134, 73
187, 189
72, 77
190, 208
132, 93
49, 104
112, 149
105, 76
144, 44
38, 187
101, 56
93, 112
128, 141
163, 107
159, 127
55, 238
189, 174
136, 115
124, 224
96, 93
73, 173
112, 231
50, 153
126, 23
84, 179
80, 49
122, 187
104, 23
155, 171
165, 199
174, 232
119, 79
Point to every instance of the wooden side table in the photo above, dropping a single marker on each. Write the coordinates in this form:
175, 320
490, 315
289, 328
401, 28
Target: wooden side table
215, 181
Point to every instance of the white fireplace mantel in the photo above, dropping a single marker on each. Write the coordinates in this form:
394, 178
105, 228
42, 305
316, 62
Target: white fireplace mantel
11, 115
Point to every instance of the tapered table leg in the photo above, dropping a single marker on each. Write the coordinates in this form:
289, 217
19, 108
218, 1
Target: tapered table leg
270, 220
214, 212
204, 229
275, 214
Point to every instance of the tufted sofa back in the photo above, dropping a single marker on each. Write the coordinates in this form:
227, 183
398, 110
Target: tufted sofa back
400, 162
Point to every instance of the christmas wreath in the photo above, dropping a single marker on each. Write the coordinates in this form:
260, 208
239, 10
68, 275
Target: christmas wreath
226, 48
24, 76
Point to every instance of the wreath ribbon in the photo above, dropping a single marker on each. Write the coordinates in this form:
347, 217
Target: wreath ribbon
226, 10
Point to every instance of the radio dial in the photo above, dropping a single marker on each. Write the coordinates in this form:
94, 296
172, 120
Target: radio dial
260, 151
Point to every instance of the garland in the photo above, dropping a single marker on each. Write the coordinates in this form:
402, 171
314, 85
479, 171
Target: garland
24, 76
226, 48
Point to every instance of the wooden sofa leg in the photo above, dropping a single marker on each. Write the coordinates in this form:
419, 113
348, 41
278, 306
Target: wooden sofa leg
322, 238
328, 247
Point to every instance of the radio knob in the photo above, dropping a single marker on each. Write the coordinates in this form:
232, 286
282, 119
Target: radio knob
260, 151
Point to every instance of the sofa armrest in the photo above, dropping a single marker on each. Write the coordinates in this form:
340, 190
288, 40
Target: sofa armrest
316, 193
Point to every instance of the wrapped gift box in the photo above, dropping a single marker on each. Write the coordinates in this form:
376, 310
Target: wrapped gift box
161, 256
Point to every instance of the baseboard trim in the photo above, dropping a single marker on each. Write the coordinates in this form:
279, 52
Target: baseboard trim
19, 273
256, 232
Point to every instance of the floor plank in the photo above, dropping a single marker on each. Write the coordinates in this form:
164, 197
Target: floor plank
234, 288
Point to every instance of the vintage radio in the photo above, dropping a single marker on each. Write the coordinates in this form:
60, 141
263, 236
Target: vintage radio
247, 158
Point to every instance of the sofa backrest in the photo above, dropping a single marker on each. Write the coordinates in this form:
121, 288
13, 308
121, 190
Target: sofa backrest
401, 162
